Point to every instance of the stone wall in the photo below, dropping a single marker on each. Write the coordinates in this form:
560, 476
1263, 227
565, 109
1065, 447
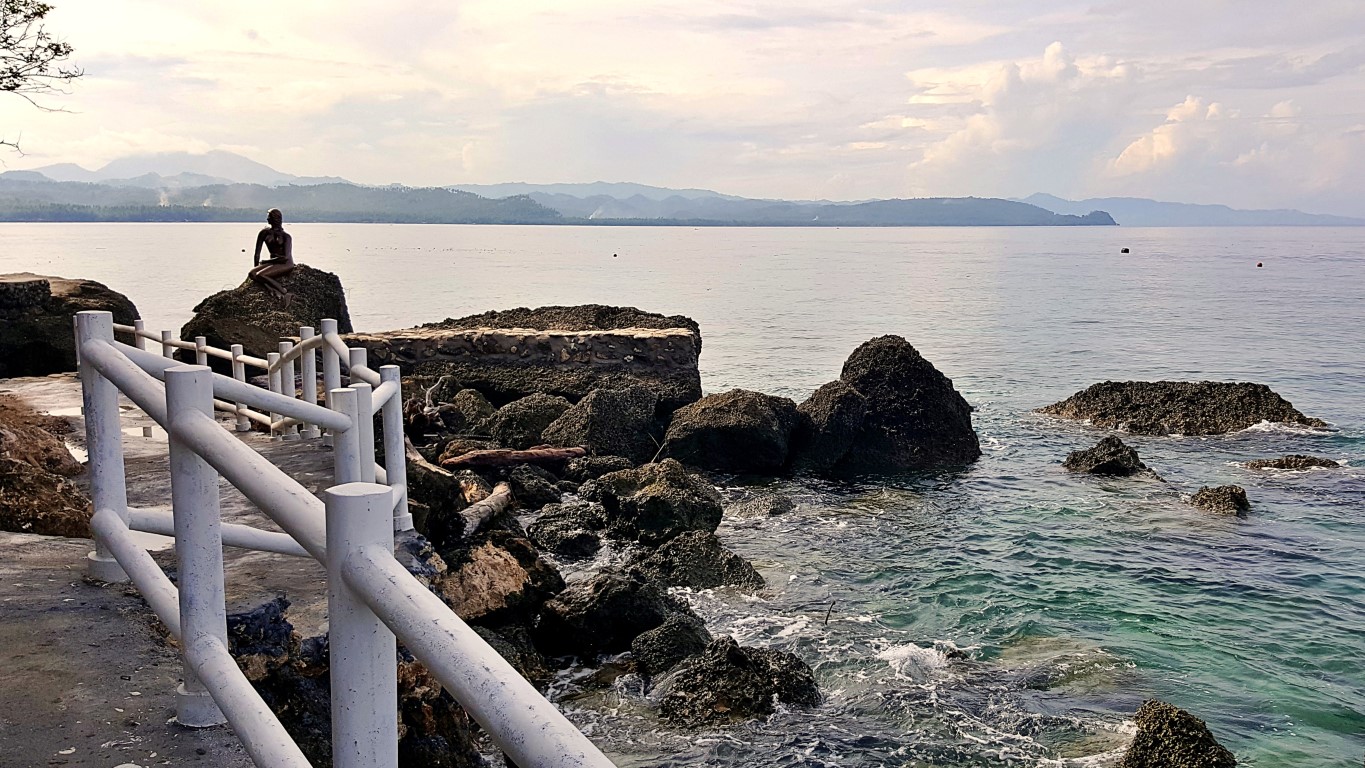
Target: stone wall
508, 363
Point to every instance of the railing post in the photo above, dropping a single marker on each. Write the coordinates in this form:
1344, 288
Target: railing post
331, 366
363, 650
308, 372
345, 446
364, 405
139, 328
103, 442
287, 385
239, 373
272, 379
395, 458
201, 357
167, 348
359, 358
198, 539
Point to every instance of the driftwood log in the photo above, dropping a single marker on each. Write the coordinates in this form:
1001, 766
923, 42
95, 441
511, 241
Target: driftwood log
506, 457
475, 515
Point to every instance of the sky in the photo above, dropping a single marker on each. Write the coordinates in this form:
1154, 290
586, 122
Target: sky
1249, 103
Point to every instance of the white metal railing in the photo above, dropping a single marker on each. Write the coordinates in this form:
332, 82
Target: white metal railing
372, 601
285, 421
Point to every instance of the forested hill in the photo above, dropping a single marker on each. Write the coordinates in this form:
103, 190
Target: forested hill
22, 200
27, 196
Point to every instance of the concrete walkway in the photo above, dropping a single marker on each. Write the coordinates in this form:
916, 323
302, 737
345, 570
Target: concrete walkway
87, 673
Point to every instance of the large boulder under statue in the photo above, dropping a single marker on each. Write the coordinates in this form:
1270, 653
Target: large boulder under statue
36, 335
894, 412
257, 319
1179, 407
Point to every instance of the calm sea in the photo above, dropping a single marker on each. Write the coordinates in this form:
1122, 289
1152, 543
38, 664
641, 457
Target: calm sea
1007, 614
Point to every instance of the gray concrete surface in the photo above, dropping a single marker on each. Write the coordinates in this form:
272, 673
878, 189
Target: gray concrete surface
87, 675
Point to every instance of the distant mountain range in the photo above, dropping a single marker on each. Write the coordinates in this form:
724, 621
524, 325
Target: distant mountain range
223, 186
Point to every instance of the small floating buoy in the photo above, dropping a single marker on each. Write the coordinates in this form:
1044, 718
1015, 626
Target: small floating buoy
613, 255
1258, 264
1123, 250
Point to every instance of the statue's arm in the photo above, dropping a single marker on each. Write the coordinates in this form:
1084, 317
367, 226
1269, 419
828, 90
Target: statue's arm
288, 248
260, 241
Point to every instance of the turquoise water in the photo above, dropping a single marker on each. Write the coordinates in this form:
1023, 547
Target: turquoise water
1007, 614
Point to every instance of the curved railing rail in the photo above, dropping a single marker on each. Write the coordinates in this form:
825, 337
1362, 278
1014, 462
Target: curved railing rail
372, 600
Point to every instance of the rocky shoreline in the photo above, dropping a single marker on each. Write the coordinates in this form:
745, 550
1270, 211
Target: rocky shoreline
542, 438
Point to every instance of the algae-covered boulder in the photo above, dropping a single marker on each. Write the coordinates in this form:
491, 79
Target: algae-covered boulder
521, 424
727, 683
660, 649
604, 614
609, 422
1178, 407
1292, 462
656, 502
915, 418
698, 560
735, 431
257, 319
827, 424
1111, 456
36, 332
1169, 737
1223, 499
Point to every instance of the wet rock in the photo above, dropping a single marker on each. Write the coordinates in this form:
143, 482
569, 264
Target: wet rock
36, 332
521, 423
514, 644
914, 420
570, 531
728, 683
735, 431
660, 649
1168, 737
653, 503
697, 559
1293, 461
1178, 407
252, 316
826, 427
35, 494
497, 577
609, 422
565, 351
767, 505
532, 487
603, 614
1109, 456
442, 494
1224, 499
587, 468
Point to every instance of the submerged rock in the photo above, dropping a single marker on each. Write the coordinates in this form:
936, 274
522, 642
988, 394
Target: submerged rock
1293, 461
254, 317
521, 423
728, 683
36, 332
604, 614
826, 427
1224, 499
697, 559
1109, 456
656, 502
1178, 407
1168, 737
609, 422
915, 419
735, 431
767, 505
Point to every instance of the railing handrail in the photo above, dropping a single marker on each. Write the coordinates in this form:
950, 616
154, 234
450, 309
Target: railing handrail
372, 599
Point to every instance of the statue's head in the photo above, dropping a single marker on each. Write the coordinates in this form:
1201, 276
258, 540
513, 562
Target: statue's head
274, 218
